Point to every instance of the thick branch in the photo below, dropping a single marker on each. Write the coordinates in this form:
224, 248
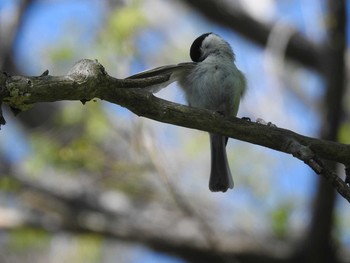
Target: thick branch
88, 80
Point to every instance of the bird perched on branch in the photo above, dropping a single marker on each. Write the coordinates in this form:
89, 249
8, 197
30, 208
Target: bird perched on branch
212, 81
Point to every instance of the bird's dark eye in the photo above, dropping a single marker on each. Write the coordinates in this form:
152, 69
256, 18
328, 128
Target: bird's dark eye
195, 50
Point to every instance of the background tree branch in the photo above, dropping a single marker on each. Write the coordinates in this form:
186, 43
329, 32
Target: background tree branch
86, 213
319, 237
88, 80
299, 48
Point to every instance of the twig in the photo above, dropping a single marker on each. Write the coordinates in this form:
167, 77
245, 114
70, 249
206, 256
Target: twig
305, 154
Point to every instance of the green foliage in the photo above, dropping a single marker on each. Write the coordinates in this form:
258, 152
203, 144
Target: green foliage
84, 142
280, 220
77, 145
9, 184
87, 249
120, 29
344, 133
84, 248
124, 21
23, 239
62, 53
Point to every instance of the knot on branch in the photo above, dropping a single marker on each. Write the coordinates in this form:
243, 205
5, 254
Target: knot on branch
299, 151
305, 154
86, 69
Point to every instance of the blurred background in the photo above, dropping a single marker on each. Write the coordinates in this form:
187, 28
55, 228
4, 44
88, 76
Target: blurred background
95, 183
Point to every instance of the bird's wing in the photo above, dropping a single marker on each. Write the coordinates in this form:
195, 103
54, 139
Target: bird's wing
173, 71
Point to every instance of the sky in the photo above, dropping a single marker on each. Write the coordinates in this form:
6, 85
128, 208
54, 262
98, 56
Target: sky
51, 20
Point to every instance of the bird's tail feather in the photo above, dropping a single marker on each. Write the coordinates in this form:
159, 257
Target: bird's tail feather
220, 174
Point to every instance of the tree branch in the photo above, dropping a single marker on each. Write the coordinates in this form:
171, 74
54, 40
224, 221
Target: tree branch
132, 222
88, 80
299, 48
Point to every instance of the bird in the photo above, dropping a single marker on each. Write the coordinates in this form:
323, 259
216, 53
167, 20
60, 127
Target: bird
211, 81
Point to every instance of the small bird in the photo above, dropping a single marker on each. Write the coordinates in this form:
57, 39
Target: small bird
212, 81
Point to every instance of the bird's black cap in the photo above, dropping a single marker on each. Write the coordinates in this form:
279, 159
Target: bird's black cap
195, 50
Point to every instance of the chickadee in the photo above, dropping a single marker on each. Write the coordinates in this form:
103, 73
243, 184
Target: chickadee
212, 81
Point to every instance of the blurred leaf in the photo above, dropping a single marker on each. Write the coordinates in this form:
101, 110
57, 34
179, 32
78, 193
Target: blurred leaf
27, 238
124, 21
344, 133
62, 53
120, 29
280, 220
88, 249
9, 184
76, 143
70, 114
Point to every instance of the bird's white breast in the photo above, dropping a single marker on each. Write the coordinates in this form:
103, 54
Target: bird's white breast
214, 85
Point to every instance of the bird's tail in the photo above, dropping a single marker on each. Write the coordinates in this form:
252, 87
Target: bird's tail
220, 174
